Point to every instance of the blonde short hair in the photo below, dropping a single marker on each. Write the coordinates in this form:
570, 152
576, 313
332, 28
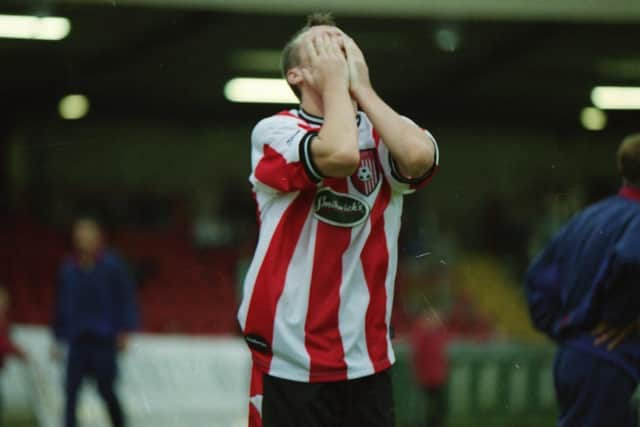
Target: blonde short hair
290, 54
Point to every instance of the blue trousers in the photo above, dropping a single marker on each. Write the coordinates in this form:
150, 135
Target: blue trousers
92, 357
592, 392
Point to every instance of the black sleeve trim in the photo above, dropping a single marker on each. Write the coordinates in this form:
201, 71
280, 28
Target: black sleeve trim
306, 157
395, 172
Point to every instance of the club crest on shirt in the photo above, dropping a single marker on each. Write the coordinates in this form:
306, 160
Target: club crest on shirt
367, 176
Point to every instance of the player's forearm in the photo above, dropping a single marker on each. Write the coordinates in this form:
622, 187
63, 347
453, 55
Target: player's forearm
335, 150
409, 145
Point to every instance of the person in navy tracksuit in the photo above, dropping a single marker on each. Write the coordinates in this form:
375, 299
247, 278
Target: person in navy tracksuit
95, 311
583, 291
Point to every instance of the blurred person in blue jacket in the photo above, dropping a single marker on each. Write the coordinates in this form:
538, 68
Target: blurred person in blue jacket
95, 312
583, 291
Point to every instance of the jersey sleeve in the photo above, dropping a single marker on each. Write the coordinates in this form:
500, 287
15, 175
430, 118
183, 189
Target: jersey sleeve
621, 301
281, 155
543, 287
400, 183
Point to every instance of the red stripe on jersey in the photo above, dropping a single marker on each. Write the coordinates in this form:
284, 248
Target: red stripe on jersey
308, 128
255, 391
375, 136
287, 113
322, 333
254, 417
274, 171
375, 263
427, 180
273, 271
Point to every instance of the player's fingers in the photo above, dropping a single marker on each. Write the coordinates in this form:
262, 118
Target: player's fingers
604, 337
351, 49
334, 46
330, 44
348, 43
599, 329
620, 336
336, 32
310, 48
351, 44
319, 44
341, 43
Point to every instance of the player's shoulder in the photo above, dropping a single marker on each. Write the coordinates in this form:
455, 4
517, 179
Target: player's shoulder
601, 208
280, 126
285, 118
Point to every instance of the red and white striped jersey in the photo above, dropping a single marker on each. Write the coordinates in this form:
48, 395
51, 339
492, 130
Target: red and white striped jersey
319, 292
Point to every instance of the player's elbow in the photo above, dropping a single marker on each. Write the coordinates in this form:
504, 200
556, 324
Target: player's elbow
421, 157
340, 164
345, 164
418, 163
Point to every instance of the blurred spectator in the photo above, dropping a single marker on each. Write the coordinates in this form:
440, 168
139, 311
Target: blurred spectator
431, 365
7, 347
465, 321
96, 309
210, 230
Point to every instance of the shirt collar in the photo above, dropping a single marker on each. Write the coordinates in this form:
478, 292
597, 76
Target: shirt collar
317, 120
97, 258
630, 193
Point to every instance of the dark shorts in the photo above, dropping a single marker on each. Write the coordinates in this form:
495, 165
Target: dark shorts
592, 392
362, 402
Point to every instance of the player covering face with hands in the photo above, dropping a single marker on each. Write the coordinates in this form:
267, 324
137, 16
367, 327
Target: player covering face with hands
330, 57
333, 77
329, 179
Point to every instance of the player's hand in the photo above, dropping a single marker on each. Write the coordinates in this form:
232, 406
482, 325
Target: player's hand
612, 336
359, 80
327, 66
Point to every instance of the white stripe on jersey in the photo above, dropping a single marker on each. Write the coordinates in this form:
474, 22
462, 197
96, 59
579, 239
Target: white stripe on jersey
291, 312
392, 232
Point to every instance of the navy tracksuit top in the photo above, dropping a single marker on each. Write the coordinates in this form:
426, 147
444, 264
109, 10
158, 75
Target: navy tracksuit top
96, 302
590, 273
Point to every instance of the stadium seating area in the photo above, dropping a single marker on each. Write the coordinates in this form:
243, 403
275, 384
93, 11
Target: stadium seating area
181, 289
